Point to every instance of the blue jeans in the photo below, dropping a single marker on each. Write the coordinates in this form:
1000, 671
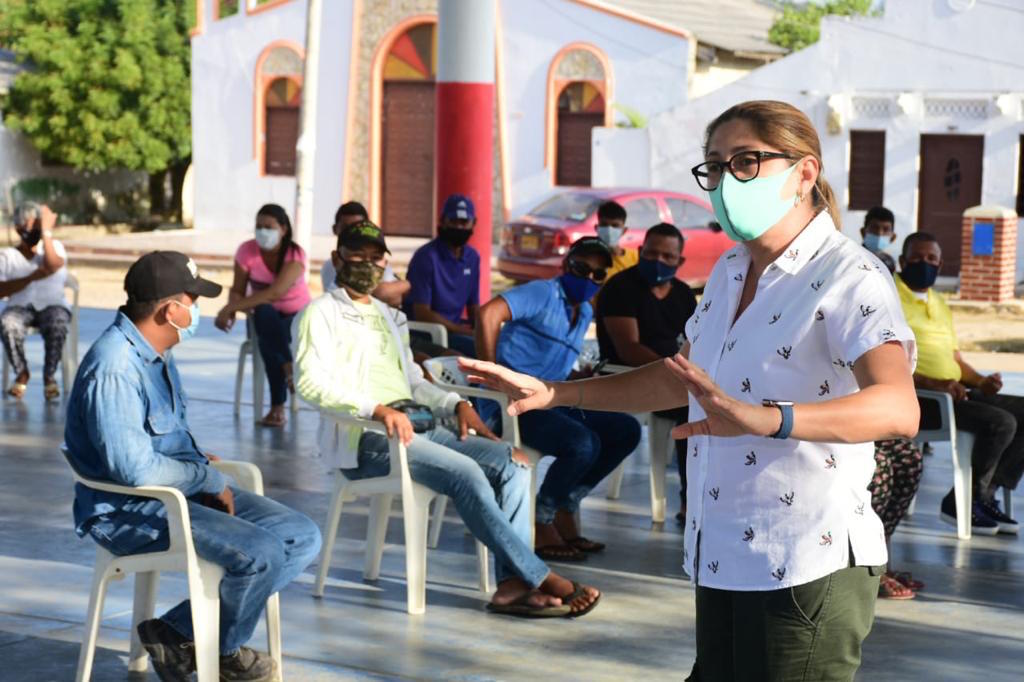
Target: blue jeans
586, 445
274, 337
262, 548
490, 490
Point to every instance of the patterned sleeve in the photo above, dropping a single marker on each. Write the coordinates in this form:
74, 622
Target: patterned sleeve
864, 312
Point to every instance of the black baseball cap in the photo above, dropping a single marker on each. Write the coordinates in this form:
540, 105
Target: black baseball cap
586, 246
161, 274
361, 234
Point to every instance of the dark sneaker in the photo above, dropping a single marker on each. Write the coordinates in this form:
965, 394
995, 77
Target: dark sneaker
173, 656
247, 665
981, 523
1007, 525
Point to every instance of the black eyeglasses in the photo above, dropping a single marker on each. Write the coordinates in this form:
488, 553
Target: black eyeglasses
744, 166
581, 269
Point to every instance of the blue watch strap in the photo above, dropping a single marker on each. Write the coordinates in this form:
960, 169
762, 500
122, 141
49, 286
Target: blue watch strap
787, 420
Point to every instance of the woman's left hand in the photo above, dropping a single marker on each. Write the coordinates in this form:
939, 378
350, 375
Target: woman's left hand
725, 416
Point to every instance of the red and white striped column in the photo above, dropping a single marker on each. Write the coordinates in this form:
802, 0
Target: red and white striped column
465, 115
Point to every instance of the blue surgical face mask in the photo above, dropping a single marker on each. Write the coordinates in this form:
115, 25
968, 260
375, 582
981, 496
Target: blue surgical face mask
655, 272
268, 238
746, 210
877, 242
578, 289
610, 235
186, 333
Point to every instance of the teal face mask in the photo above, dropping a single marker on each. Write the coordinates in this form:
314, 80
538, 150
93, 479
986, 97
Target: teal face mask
186, 333
746, 210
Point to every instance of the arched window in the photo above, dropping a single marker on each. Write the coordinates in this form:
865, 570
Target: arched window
278, 96
579, 83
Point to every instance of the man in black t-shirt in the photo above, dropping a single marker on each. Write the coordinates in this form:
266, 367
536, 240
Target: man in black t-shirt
641, 314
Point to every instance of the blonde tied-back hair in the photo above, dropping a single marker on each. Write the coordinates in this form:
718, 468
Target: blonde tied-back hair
788, 129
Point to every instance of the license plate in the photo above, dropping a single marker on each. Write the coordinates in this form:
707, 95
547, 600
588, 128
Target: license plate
529, 242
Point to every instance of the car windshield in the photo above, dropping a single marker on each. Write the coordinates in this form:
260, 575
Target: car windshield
567, 206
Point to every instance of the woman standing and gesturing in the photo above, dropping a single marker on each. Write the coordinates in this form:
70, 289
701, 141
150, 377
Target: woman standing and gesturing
798, 359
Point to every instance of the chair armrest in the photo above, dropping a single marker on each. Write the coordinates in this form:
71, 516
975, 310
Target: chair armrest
178, 522
438, 332
946, 427
247, 475
395, 446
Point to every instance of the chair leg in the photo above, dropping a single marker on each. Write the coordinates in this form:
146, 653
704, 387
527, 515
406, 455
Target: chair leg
657, 444
533, 503
1008, 502
204, 598
65, 370
258, 380
239, 378
961, 450
485, 567
912, 507
376, 530
330, 535
415, 515
274, 632
437, 520
145, 604
615, 481
7, 371
93, 616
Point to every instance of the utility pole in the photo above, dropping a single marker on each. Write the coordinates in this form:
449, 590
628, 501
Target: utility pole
465, 115
305, 149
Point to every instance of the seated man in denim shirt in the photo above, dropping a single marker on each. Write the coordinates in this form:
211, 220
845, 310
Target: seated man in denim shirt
126, 424
353, 358
545, 322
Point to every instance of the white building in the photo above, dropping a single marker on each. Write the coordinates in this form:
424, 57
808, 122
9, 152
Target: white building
920, 110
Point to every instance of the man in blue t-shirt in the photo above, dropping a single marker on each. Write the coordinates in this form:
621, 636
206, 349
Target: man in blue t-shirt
544, 325
445, 278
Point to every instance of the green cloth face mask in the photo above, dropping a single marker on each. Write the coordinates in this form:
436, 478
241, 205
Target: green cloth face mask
746, 210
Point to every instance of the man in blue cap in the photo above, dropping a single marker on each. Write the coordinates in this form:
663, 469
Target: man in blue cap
445, 278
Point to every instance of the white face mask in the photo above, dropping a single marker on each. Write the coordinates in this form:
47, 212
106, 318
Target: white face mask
267, 237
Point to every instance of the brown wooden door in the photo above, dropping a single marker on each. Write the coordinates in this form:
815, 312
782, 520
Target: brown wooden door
407, 158
573, 165
949, 183
282, 134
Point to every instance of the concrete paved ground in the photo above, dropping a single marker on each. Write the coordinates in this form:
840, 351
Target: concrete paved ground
967, 625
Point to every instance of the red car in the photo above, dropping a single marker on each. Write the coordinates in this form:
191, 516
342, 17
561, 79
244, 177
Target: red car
534, 245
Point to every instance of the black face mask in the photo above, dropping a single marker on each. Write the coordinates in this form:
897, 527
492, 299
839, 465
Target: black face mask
453, 236
30, 237
919, 275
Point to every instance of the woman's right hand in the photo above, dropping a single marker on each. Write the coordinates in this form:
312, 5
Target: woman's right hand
225, 320
528, 393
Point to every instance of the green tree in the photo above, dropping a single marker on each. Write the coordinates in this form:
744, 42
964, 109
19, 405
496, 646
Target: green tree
800, 25
105, 86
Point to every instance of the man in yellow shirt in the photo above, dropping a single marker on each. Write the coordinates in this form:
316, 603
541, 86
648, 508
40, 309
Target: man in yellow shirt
611, 225
995, 420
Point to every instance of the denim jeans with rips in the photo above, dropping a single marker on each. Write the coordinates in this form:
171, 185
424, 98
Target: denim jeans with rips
490, 491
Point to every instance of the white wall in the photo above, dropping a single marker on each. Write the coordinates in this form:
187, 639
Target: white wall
649, 68
919, 47
228, 186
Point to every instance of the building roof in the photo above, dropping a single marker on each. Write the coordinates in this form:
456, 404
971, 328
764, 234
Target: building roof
736, 25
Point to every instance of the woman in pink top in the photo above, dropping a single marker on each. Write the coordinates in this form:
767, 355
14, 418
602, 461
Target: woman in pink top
270, 284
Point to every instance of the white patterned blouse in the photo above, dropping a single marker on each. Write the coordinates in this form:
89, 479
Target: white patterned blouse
765, 514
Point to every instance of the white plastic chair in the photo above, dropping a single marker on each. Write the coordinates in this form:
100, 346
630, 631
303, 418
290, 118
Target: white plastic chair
659, 440
960, 445
203, 580
438, 332
259, 377
444, 371
69, 355
415, 503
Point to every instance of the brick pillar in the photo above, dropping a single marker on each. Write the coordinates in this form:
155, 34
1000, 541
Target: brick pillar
989, 248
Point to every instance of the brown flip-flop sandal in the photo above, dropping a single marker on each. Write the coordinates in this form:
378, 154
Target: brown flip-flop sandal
272, 423
17, 390
560, 553
577, 592
582, 544
521, 608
